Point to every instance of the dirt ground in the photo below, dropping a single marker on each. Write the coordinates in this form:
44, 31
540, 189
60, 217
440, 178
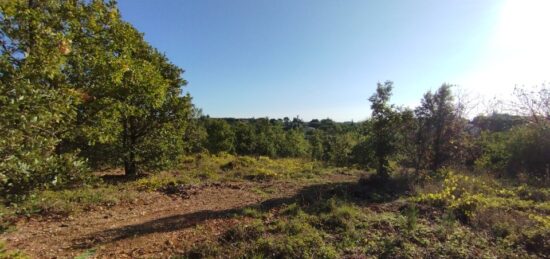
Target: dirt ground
156, 225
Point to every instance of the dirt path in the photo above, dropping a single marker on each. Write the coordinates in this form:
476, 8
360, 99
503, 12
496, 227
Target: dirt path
155, 226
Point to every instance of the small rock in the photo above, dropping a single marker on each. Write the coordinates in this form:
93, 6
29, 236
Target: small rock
63, 225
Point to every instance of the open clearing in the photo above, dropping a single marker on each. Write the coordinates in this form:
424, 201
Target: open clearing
153, 225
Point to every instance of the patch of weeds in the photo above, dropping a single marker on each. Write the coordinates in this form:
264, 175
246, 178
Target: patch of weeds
10, 254
207, 249
159, 180
260, 192
252, 212
6, 216
298, 240
86, 254
343, 218
65, 202
291, 210
246, 232
184, 191
227, 167
526, 192
536, 241
411, 215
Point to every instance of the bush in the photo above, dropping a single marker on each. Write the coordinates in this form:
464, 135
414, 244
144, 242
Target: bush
19, 176
522, 150
300, 240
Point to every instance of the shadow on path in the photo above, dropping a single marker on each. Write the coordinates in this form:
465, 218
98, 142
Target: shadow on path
361, 193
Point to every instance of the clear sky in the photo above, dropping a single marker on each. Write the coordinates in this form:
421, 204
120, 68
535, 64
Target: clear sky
323, 58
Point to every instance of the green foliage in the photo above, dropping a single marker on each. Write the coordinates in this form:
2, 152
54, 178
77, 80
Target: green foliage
220, 136
157, 181
9, 254
439, 130
411, 214
522, 151
38, 100
245, 138
66, 202
529, 149
226, 167
133, 112
383, 136
494, 151
333, 227
294, 144
508, 213
78, 82
87, 254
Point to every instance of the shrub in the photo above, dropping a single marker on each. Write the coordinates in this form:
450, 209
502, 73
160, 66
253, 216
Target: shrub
247, 232
300, 241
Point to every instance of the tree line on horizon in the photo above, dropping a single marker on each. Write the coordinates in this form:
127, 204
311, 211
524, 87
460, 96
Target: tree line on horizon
82, 91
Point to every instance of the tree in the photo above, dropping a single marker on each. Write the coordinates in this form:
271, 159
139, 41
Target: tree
38, 102
195, 134
266, 138
315, 138
339, 148
533, 103
245, 138
220, 136
294, 144
383, 135
529, 145
133, 101
439, 129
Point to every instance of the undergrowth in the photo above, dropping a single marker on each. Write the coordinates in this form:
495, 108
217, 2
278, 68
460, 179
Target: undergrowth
197, 169
10, 254
454, 215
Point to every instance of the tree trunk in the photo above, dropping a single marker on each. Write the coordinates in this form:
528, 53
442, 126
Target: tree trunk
130, 167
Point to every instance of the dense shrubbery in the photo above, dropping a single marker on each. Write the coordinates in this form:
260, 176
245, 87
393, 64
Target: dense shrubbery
522, 152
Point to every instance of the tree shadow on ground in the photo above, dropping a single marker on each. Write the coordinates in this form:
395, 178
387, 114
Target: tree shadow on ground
116, 179
367, 191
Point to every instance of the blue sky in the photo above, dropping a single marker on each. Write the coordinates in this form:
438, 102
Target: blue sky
323, 58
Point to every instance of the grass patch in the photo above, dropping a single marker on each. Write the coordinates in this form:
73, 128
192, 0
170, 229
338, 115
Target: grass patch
230, 167
464, 217
10, 254
65, 202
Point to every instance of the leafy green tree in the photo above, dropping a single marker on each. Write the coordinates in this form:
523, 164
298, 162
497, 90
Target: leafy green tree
266, 136
339, 148
294, 144
220, 136
195, 134
316, 139
38, 102
132, 105
383, 136
440, 128
245, 138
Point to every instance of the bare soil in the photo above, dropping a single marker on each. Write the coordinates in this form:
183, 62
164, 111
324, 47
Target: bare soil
156, 225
